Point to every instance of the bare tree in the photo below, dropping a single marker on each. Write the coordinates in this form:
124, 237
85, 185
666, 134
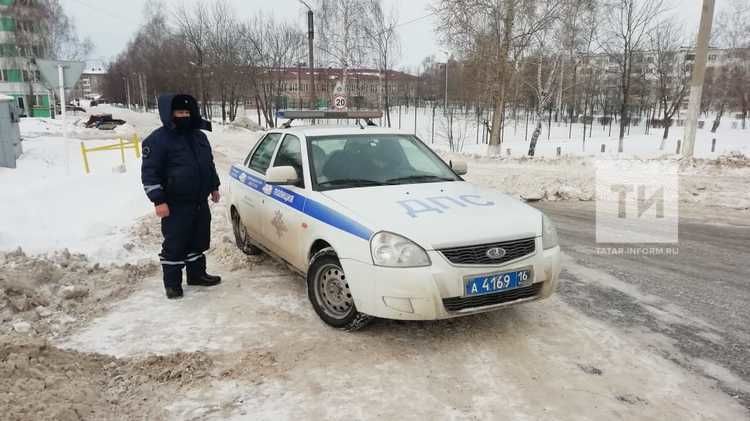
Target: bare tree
497, 31
454, 128
592, 82
341, 34
270, 48
672, 76
63, 42
625, 25
193, 26
544, 92
384, 43
547, 66
223, 37
578, 22
733, 33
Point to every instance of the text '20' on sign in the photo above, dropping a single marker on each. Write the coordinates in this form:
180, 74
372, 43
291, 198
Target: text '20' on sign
339, 102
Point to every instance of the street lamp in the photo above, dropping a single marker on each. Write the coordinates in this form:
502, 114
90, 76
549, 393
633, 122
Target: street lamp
201, 97
127, 90
310, 37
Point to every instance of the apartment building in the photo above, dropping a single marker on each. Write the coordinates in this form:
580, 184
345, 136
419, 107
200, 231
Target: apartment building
21, 41
91, 83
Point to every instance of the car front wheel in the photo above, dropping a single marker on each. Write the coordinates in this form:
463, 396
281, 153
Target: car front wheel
241, 238
328, 290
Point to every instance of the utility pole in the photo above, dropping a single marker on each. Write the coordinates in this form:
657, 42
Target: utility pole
699, 74
311, 58
127, 90
142, 91
445, 97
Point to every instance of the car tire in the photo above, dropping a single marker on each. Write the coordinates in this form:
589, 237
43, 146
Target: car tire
329, 293
241, 237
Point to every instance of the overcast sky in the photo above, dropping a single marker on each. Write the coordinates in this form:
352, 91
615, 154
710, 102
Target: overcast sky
111, 23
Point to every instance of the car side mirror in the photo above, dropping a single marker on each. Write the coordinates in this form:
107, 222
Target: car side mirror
459, 167
282, 176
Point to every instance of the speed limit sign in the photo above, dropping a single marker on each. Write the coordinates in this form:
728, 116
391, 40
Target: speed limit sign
339, 102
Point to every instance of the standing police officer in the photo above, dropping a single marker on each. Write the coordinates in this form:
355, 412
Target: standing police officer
178, 175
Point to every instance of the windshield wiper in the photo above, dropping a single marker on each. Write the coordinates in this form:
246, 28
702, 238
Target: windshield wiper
418, 178
350, 182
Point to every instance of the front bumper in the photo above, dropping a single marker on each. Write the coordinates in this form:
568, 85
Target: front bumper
419, 293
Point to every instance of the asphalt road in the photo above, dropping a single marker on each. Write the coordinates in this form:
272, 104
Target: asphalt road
692, 307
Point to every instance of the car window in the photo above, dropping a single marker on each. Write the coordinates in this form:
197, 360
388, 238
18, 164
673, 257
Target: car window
346, 161
321, 151
261, 158
246, 162
290, 154
421, 162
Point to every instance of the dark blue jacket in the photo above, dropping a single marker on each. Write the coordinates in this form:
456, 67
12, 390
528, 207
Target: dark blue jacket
178, 167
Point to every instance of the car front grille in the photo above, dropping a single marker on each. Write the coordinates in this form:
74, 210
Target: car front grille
477, 255
461, 303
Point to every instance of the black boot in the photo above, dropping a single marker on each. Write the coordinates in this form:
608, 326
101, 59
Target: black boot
205, 280
173, 293
172, 280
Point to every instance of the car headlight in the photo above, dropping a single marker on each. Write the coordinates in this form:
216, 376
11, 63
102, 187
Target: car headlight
549, 233
393, 250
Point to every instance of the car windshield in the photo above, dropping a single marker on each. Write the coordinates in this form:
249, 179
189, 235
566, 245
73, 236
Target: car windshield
361, 160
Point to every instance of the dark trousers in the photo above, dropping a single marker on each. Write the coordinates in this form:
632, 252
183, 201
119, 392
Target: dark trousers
187, 234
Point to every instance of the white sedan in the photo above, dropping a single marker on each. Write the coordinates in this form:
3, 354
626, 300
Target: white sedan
380, 226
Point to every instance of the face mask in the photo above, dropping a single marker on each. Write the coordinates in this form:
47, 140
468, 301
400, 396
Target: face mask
182, 123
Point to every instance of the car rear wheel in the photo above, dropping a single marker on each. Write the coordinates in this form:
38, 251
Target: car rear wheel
329, 293
241, 237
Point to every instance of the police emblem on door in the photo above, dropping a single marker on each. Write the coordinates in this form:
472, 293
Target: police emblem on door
279, 224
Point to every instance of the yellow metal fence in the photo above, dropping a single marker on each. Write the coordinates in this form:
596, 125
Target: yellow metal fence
134, 143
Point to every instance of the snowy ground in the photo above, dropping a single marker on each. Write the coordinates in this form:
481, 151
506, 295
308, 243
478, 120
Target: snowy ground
253, 348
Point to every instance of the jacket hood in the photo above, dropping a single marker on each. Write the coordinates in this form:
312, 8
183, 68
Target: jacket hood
166, 103
438, 215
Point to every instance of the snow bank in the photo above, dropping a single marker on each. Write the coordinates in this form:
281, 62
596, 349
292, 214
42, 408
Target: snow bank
710, 182
246, 123
49, 204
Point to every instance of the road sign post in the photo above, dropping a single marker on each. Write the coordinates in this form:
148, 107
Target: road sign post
339, 96
61, 81
61, 75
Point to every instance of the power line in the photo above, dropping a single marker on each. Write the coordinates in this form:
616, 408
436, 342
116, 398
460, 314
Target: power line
406, 23
414, 20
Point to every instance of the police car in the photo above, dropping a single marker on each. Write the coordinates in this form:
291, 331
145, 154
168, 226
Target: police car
380, 226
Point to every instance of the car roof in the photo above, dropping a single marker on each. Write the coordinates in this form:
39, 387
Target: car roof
331, 130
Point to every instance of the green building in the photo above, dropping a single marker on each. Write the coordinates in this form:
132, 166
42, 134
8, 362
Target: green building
21, 41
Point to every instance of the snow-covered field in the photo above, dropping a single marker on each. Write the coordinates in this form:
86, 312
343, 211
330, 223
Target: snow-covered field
51, 204
469, 133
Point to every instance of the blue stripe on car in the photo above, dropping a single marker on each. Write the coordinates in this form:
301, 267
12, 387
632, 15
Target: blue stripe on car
303, 204
331, 217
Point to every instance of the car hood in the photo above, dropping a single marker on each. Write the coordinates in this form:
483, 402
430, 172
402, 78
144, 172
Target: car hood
438, 215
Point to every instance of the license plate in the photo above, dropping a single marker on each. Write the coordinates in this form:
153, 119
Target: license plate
496, 282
